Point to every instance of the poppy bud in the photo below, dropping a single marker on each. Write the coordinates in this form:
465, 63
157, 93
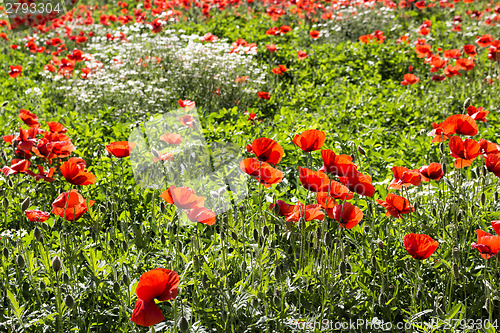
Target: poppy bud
56, 264
38, 234
42, 285
163, 239
116, 288
183, 324
445, 167
124, 245
483, 198
328, 238
112, 244
162, 208
204, 281
69, 301
2, 192
374, 262
65, 278
126, 280
381, 299
20, 261
434, 212
456, 253
9, 182
265, 231
234, 236
25, 204
4, 104
255, 303
380, 244
6, 253
467, 103
223, 316
255, 235
361, 151
456, 271
441, 147
277, 272
342, 267
5, 203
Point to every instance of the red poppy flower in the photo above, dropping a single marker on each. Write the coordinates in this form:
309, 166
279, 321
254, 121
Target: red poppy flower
15, 71
396, 205
455, 124
321, 198
311, 212
464, 152
29, 118
271, 48
477, 113
301, 55
484, 41
182, 197
187, 120
8, 138
310, 140
346, 214
465, 64
284, 209
263, 95
159, 283
315, 181
359, 183
37, 215
423, 51
120, 149
492, 163
261, 171
339, 165
72, 203
431, 171
285, 28
487, 244
438, 78
56, 127
187, 104
470, 50
62, 148
488, 147
202, 215
494, 51
314, 34
46, 176
409, 79
451, 54
339, 191
266, 150
164, 157
420, 246
171, 138
74, 173
16, 166
404, 177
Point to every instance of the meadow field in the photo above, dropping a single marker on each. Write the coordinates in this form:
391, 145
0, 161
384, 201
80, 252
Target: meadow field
250, 166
